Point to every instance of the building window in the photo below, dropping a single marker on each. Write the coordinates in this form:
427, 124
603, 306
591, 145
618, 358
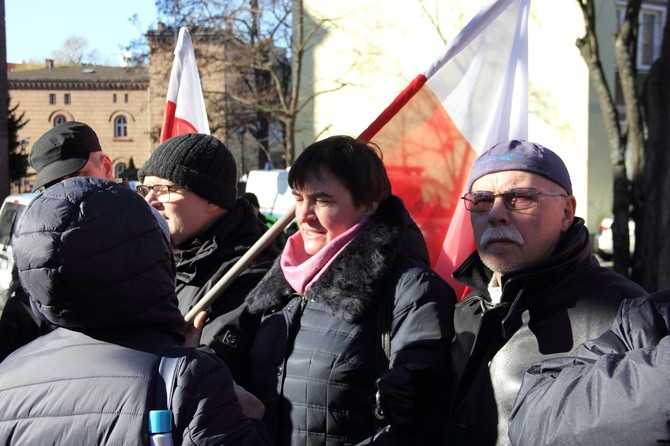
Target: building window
650, 33
52, 98
120, 127
119, 169
58, 120
114, 98
66, 98
125, 98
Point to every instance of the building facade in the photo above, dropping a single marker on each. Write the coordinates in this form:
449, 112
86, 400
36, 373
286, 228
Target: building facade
114, 101
124, 105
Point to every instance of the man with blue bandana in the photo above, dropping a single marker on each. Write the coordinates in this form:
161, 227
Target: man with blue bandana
536, 289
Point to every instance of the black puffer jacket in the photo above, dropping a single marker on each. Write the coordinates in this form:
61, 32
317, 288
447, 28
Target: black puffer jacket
544, 311
94, 261
229, 329
612, 390
314, 357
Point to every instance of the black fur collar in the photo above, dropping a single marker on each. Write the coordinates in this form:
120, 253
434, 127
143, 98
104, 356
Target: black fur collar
349, 285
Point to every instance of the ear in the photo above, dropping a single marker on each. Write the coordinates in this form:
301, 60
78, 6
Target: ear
370, 208
108, 167
213, 208
568, 213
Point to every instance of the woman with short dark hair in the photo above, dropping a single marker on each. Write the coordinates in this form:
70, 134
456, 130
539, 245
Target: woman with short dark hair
356, 269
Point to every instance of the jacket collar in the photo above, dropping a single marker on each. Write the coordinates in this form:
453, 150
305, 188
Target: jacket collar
236, 230
348, 287
524, 289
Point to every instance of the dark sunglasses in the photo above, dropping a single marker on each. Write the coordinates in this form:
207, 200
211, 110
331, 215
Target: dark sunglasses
513, 199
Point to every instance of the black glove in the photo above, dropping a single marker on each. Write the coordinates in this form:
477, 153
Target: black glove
404, 394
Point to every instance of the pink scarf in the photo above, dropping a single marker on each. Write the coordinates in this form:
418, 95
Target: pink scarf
302, 270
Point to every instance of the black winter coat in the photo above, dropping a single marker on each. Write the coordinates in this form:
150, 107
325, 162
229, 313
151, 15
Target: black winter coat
545, 311
18, 324
229, 329
110, 289
315, 358
611, 391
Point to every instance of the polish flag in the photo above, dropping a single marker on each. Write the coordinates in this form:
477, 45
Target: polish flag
185, 107
472, 97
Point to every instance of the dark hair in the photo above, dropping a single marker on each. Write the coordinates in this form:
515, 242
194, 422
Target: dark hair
358, 165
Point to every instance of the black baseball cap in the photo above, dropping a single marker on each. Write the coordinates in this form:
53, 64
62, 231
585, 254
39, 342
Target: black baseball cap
62, 151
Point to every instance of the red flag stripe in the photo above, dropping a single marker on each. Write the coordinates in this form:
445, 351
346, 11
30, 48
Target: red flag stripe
473, 96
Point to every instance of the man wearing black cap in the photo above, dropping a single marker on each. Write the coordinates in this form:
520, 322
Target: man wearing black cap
71, 149
67, 150
191, 180
94, 379
537, 291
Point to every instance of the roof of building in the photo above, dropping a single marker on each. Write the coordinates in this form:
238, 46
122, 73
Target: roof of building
90, 77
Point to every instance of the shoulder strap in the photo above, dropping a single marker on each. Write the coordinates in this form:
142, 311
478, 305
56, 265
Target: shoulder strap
383, 341
168, 369
382, 348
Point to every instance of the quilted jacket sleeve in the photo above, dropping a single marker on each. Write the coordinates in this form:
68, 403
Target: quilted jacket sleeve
413, 391
206, 408
612, 390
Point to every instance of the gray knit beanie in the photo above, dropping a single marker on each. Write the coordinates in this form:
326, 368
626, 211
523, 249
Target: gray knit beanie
201, 163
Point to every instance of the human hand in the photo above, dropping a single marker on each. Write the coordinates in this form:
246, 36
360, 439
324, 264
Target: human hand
251, 406
404, 394
193, 331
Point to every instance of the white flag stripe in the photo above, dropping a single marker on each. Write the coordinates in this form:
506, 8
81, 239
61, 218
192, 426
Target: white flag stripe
482, 77
185, 90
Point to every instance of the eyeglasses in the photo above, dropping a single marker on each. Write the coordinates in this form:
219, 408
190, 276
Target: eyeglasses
162, 191
513, 199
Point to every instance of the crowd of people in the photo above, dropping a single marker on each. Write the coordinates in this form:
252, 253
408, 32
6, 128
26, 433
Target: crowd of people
341, 334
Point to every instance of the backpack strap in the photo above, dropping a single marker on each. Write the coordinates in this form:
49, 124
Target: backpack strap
168, 371
382, 349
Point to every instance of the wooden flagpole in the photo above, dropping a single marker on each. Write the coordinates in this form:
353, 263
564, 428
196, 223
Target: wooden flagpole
241, 265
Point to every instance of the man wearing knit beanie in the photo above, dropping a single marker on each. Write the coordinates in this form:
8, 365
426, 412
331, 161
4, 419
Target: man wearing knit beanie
536, 289
191, 180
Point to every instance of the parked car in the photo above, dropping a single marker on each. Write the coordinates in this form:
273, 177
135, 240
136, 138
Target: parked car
11, 210
271, 188
603, 242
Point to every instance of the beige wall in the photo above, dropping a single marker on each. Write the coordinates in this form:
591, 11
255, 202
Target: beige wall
95, 108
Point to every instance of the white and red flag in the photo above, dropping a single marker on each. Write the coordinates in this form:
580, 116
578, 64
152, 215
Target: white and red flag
473, 96
185, 106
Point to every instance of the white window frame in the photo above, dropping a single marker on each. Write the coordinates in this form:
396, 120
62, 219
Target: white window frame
658, 11
120, 127
59, 119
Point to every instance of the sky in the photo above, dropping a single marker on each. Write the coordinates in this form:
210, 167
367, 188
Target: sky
37, 28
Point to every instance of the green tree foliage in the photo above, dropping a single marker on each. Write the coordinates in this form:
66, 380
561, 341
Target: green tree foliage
18, 160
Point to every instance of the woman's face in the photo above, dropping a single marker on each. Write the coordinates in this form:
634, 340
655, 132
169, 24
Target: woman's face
325, 209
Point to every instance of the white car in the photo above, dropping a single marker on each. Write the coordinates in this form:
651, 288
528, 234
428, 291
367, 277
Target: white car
11, 210
604, 245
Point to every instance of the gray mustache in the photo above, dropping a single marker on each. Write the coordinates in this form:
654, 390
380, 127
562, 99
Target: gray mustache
505, 233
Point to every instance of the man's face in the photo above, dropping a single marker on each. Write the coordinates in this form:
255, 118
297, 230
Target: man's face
187, 214
509, 240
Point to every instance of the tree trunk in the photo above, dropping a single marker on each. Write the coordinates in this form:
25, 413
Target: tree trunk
651, 266
625, 46
588, 46
4, 137
297, 51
